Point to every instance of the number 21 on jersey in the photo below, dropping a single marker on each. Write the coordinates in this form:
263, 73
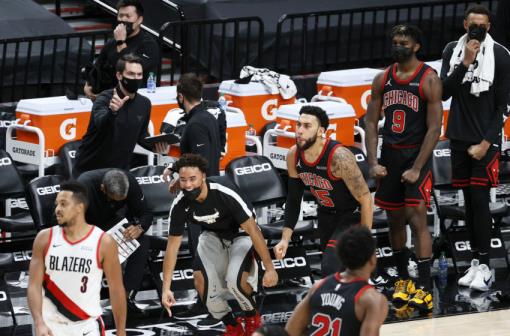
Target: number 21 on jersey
326, 326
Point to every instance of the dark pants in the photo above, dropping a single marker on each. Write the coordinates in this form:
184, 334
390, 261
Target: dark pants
135, 265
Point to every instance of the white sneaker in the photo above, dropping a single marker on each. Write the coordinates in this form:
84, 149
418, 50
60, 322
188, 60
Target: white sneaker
468, 278
483, 279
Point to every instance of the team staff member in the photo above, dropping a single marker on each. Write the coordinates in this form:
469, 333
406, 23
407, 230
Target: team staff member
476, 75
344, 304
128, 38
114, 195
409, 94
66, 272
225, 250
118, 121
331, 173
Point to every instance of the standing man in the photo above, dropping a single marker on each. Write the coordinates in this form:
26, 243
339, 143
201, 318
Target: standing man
224, 256
476, 74
128, 38
344, 303
118, 121
409, 94
66, 272
331, 173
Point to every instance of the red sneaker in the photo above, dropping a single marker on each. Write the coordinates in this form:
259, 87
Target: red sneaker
251, 324
236, 330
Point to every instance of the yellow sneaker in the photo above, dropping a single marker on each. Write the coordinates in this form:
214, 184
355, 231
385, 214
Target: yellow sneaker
421, 300
404, 289
405, 312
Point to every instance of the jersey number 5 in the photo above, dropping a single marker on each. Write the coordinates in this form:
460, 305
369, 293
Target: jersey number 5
323, 197
325, 326
399, 121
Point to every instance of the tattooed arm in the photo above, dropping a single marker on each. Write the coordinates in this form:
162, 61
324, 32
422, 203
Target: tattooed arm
344, 166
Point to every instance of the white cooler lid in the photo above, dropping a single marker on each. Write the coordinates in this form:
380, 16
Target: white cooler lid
436, 65
243, 90
163, 95
350, 77
235, 119
446, 104
53, 105
334, 110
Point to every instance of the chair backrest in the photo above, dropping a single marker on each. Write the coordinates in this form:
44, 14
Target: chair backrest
442, 164
257, 179
42, 192
67, 157
154, 188
11, 183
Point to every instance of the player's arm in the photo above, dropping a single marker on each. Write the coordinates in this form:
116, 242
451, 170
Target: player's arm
113, 273
344, 166
172, 249
35, 282
372, 119
374, 309
298, 321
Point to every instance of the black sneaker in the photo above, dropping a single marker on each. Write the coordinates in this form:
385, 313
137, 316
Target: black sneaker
208, 323
133, 309
193, 312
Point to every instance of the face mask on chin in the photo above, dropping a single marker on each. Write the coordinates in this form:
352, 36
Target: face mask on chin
477, 33
131, 85
192, 194
401, 54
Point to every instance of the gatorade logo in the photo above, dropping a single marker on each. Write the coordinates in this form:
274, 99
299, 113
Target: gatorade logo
268, 109
68, 129
365, 97
253, 169
5, 161
48, 190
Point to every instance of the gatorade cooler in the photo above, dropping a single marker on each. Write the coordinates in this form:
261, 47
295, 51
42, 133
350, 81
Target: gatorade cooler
446, 110
353, 85
342, 119
255, 100
60, 119
163, 100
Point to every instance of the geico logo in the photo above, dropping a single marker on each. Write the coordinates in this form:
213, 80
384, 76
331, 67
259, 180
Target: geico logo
383, 252
150, 179
48, 190
359, 157
466, 245
72, 154
6, 123
5, 161
268, 109
442, 152
288, 263
276, 318
68, 129
252, 169
104, 283
18, 203
22, 256
275, 156
185, 274
3, 296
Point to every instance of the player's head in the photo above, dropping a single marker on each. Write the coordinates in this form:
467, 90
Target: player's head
313, 123
477, 22
71, 203
188, 89
115, 185
130, 13
130, 72
192, 170
356, 248
405, 42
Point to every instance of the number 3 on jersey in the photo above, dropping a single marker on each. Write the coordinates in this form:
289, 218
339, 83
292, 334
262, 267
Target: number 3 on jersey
399, 121
326, 327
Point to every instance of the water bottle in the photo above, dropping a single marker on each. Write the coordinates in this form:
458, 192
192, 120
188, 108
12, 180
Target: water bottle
443, 270
223, 103
151, 83
251, 131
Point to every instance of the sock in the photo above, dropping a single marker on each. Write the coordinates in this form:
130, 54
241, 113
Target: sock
484, 258
401, 260
229, 319
424, 273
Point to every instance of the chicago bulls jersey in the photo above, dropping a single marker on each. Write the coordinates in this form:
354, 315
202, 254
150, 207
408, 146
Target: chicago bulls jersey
73, 275
331, 192
332, 307
404, 107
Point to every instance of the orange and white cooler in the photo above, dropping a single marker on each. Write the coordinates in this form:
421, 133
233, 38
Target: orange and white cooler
163, 100
352, 85
257, 102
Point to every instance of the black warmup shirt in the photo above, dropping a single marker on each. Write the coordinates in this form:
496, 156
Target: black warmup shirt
111, 138
223, 211
473, 119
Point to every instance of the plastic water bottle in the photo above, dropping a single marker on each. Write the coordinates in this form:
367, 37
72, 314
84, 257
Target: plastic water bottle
251, 131
223, 103
443, 270
151, 83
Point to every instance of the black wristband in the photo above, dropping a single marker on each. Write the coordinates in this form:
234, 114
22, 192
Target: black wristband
120, 42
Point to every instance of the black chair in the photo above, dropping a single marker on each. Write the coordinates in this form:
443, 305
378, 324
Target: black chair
67, 157
42, 192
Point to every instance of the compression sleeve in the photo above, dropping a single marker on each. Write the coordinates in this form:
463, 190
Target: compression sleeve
295, 190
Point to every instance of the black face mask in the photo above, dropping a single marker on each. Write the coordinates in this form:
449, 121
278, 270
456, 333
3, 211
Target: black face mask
192, 194
477, 32
129, 27
131, 85
401, 54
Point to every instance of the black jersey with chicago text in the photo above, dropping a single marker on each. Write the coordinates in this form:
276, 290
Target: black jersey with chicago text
330, 192
223, 210
332, 307
404, 107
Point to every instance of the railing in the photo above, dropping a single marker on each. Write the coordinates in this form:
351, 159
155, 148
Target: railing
319, 41
213, 49
46, 65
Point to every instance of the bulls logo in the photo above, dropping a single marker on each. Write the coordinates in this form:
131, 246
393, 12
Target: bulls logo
68, 129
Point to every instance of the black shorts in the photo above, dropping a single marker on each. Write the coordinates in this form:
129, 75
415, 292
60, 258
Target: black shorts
331, 224
391, 193
467, 171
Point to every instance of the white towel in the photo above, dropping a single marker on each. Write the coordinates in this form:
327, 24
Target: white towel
481, 77
275, 82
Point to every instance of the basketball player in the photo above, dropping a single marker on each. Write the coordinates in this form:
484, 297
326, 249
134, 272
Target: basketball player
344, 304
331, 173
409, 94
66, 272
224, 256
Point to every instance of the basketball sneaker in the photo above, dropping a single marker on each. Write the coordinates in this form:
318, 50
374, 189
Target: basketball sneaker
404, 312
483, 279
421, 300
470, 274
404, 289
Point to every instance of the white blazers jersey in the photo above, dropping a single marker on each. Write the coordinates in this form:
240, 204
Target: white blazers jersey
73, 275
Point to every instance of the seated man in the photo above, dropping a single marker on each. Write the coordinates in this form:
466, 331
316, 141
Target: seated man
224, 257
114, 195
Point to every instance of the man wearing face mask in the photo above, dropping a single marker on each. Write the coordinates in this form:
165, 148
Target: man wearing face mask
476, 75
128, 38
408, 93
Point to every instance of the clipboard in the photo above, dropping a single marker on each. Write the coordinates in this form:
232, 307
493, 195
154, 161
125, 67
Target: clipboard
169, 138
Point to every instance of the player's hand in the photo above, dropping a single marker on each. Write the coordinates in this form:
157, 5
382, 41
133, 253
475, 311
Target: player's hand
479, 151
470, 51
120, 32
174, 186
132, 232
168, 300
161, 148
87, 89
410, 176
41, 329
280, 249
116, 103
270, 278
378, 171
